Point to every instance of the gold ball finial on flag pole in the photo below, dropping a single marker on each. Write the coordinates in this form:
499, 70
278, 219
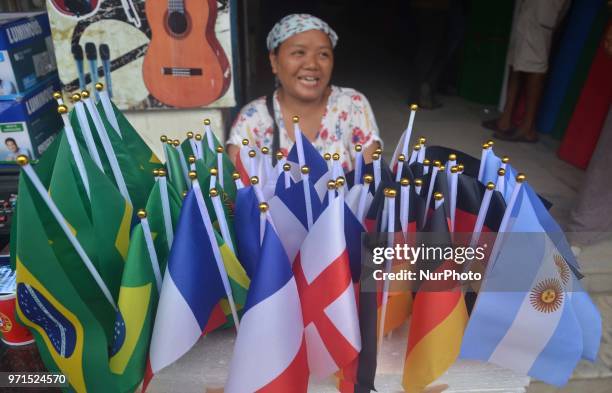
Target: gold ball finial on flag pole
99, 86
414, 107
340, 182
193, 175
184, 194
142, 213
418, 182
155, 172
22, 160
401, 158
490, 186
57, 95
252, 153
198, 137
327, 156
358, 148
85, 94
454, 169
460, 167
62, 109
422, 140
213, 171
245, 142
76, 97
286, 167
485, 145
263, 207
213, 192
191, 159
254, 180
521, 177
438, 196
190, 134
452, 157
295, 119
279, 155
305, 170
163, 139
176, 143
442, 167
219, 149
161, 172
375, 156
390, 193
505, 159
437, 163
490, 143
426, 162
404, 182
378, 151
368, 179
331, 185
235, 176
265, 150
417, 147
206, 122
501, 172
336, 157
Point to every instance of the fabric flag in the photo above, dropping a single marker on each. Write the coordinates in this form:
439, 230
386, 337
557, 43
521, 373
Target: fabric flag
439, 317
138, 176
247, 229
135, 145
210, 159
312, 159
470, 163
327, 295
102, 225
175, 169
192, 290
469, 197
69, 337
270, 350
531, 315
137, 303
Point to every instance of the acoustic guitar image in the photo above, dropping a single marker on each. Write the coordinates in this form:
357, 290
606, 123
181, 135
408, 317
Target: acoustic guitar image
185, 65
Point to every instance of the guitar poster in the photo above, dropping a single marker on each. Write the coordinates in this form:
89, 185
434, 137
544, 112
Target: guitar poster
149, 54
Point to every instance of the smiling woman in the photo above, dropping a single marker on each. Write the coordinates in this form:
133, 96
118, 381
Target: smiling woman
333, 118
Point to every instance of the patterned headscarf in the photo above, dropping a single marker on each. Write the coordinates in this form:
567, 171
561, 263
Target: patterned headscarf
294, 24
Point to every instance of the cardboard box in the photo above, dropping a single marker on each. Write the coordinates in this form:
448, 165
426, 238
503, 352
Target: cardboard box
28, 125
26, 53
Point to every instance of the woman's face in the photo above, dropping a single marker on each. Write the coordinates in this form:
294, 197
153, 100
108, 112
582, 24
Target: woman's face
303, 64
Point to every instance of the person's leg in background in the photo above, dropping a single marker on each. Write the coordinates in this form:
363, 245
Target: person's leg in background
504, 123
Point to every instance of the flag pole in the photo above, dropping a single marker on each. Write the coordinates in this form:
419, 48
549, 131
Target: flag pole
327, 157
220, 165
451, 162
237, 181
163, 190
177, 146
331, 191
404, 203
482, 213
408, 132
213, 178
146, 230
58, 97
112, 158
252, 154
423, 149
503, 227
400, 167
214, 196
108, 107
198, 138
192, 144
86, 130
298, 140
367, 180
454, 178
209, 135
263, 215
390, 194
74, 148
432, 181
486, 148
24, 162
305, 183
258, 192
426, 165
336, 168
415, 154
418, 184
280, 161
287, 174
214, 245
358, 163
377, 172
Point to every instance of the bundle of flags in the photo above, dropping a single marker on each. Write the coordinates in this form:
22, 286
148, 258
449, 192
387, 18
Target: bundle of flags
124, 263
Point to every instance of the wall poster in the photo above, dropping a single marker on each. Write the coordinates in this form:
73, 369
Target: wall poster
149, 54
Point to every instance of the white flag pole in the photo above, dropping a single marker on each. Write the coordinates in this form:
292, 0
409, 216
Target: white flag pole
390, 199
146, 230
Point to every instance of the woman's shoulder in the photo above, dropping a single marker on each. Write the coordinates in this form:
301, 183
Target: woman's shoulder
254, 106
348, 94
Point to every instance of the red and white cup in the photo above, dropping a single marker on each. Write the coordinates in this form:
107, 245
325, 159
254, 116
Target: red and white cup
12, 332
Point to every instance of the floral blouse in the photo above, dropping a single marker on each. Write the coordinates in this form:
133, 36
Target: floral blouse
347, 120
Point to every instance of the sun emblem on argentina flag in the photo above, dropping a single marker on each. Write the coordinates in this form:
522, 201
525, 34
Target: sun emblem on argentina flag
547, 295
